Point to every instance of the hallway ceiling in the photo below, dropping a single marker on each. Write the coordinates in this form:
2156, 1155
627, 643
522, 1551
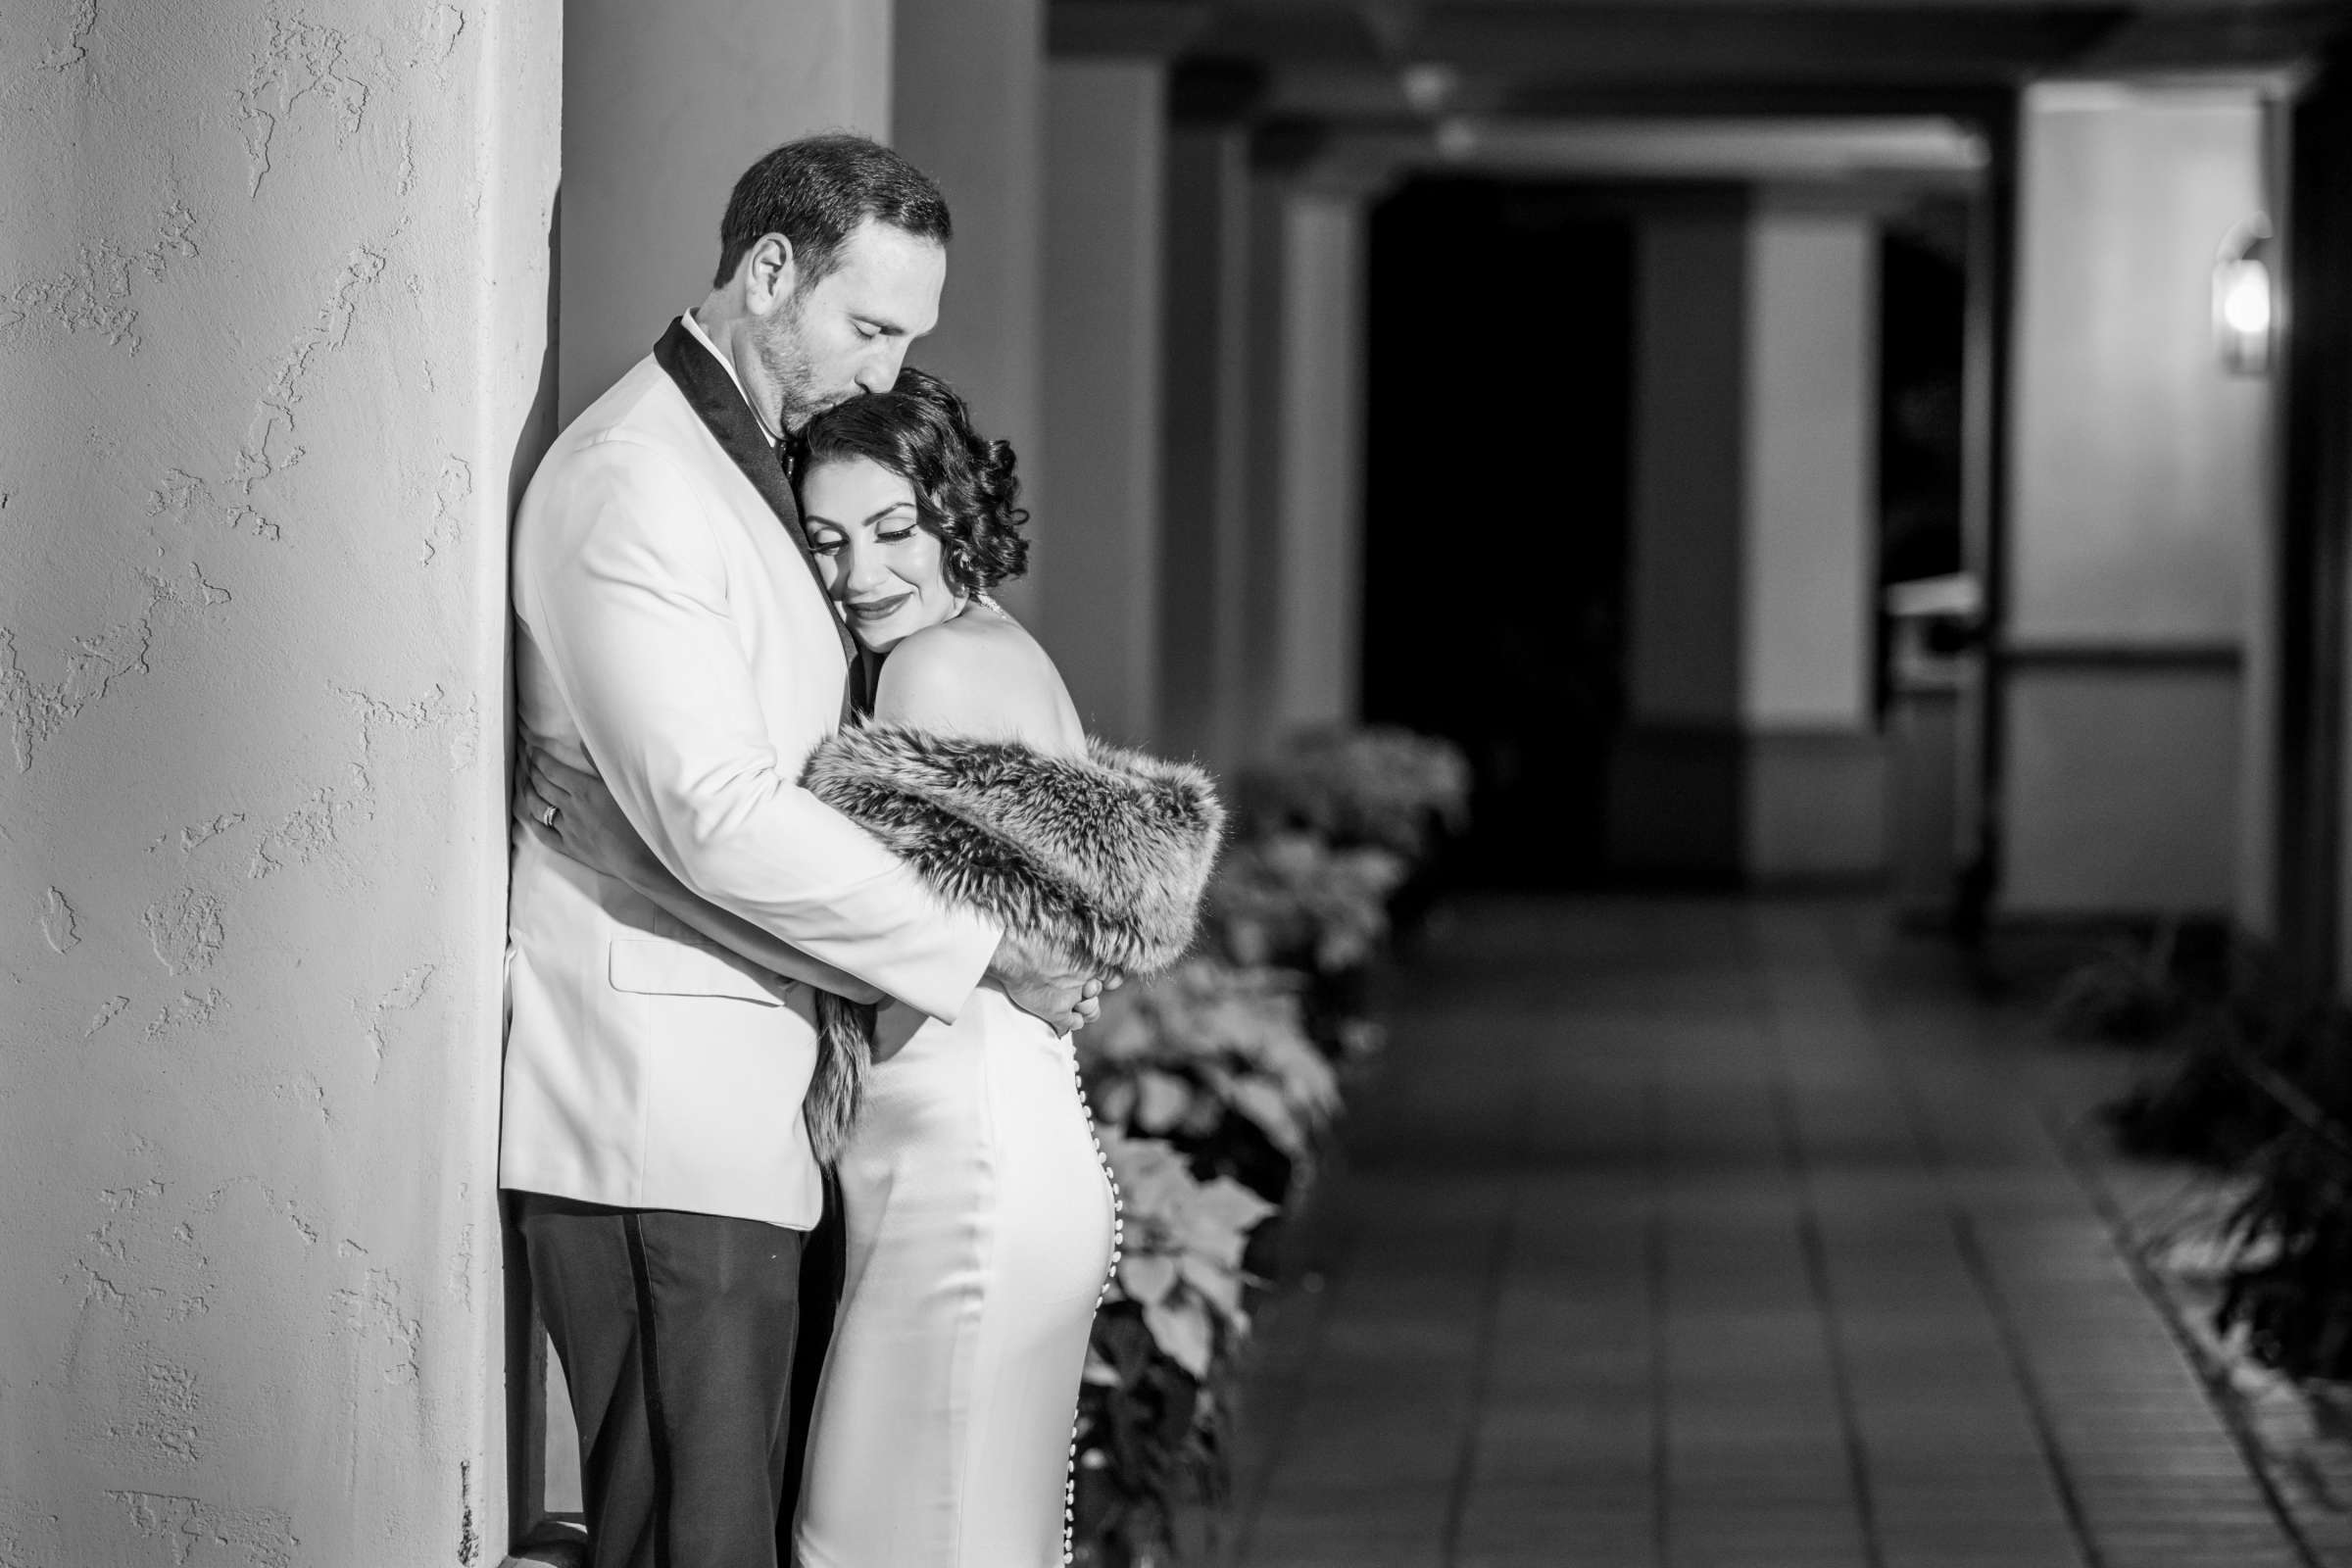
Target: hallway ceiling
1352, 61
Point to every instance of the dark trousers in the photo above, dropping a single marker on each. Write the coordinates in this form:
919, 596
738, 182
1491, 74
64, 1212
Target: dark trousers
691, 1344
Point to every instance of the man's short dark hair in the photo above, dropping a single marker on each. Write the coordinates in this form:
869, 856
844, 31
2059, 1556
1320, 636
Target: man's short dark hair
815, 190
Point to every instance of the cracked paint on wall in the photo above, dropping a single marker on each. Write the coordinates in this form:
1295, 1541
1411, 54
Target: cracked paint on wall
195, 838
187, 1012
405, 997
313, 827
160, 1431
268, 446
374, 1311
56, 923
304, 63
449, 493
108, 1011
252, 688
436, 712
31, 1535
100, 292
74, 48
93, 663
253, 1538
186, 930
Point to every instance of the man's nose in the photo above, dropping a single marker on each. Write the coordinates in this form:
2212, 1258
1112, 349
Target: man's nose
881, 372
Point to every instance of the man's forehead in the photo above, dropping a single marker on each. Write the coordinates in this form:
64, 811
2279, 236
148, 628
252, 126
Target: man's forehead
888, 276
884, 256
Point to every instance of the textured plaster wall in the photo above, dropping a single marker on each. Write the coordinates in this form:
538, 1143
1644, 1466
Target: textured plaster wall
272, 299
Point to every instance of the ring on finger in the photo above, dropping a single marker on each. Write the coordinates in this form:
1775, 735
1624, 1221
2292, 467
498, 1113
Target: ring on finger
547, 816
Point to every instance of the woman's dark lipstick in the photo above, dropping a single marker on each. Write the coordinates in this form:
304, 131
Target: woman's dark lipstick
875, 609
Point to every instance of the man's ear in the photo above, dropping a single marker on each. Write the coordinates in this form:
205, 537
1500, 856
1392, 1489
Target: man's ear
770, 272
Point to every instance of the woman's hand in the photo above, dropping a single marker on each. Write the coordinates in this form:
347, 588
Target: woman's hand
587, 823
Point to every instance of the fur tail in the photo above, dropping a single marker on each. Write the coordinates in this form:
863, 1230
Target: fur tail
844, 1052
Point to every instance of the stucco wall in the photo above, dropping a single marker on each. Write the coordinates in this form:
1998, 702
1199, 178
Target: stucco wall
272, 299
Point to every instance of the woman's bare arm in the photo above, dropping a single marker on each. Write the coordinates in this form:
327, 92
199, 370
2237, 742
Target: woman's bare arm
589, 828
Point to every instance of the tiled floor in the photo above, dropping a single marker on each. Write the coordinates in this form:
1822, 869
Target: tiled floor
1683, 1234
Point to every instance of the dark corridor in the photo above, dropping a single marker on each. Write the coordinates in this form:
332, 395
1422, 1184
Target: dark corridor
1497, 507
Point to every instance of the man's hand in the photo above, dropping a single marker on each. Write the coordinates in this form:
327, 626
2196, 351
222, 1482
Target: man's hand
1047, 983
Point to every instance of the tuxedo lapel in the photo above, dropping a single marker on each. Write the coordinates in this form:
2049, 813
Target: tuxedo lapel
711, 391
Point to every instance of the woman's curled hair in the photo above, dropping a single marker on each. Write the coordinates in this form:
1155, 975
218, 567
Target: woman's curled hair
965, 491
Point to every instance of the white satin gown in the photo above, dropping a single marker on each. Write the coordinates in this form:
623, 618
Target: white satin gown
981, 1225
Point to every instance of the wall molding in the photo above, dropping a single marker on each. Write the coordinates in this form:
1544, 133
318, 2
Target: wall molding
2183, 656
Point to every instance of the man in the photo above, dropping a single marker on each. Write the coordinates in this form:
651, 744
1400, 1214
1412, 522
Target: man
672, 634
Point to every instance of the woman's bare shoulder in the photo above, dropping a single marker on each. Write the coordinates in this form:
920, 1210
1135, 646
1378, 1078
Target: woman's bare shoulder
979, 674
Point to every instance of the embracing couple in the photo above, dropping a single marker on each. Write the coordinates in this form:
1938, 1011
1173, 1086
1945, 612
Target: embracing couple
816, 872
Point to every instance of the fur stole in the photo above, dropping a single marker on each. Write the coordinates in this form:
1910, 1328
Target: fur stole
1105, 857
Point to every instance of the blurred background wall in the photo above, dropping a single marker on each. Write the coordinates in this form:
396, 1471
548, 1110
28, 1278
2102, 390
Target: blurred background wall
663, 107
2138, 502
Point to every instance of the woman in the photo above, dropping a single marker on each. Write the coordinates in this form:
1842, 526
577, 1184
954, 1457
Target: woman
981, 1219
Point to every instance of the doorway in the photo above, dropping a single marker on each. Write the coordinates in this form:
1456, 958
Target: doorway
1497, 504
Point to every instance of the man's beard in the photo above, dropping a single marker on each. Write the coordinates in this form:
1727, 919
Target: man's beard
797, 397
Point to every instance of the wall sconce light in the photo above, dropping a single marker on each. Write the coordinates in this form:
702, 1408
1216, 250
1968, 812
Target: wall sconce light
2245, 299
1429, 87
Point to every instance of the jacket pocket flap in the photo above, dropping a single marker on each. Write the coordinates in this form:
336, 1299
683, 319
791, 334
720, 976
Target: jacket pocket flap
674, 969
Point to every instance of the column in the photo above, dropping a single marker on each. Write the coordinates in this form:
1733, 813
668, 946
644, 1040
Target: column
252, 688
669, 104
1204, 455
1312, 489
1750, 751
1676, 801
1294, 585
1250, 571
1815, 770
1105, 158
968, 106
2139, 482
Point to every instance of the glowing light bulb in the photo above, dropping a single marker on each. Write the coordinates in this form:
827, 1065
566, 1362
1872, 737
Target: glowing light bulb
2246, 299
2245, 305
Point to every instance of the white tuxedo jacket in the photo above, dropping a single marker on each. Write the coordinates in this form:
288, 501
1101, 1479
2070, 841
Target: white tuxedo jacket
670, 633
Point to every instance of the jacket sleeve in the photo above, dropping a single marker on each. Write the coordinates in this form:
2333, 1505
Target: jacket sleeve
622, 587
